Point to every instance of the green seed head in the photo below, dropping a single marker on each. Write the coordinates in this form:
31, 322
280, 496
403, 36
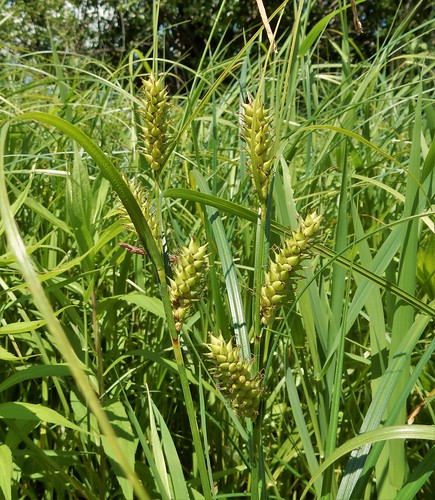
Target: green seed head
259, 145
186, 285
234, 375
277, 283
155, 113
143, 200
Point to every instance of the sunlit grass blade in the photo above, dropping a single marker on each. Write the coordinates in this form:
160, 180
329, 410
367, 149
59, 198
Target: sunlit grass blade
127, 442
157, 452
302, 428
233, 290
404, 314
179, 489
6, 472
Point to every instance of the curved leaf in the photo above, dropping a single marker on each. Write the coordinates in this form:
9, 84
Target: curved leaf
250, 215
110, 173
30, 411
383, 434
33, 372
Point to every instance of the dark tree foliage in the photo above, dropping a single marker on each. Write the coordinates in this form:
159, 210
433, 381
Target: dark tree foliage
109, 29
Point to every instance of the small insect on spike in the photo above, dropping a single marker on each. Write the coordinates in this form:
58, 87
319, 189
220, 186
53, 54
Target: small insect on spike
132, 249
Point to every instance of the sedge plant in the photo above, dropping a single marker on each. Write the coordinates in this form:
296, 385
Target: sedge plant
251, 314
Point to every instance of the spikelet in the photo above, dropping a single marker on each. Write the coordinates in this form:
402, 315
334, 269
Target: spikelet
155, 112
259, 145
185, 287
278, 278
144, 202
234, 377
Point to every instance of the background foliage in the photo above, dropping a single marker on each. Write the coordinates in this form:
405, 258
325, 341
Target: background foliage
110, 29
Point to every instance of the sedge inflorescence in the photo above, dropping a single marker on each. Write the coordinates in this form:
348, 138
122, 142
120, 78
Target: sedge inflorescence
144, 202
259, 145
186, 285
155, 113
282, 265
234, 377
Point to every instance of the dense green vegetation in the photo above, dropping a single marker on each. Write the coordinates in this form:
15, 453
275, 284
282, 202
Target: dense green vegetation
111, 382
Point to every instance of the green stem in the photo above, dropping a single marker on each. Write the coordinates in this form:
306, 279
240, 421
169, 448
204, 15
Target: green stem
100, 379
257, 477
190, 408
329, 487
258, 280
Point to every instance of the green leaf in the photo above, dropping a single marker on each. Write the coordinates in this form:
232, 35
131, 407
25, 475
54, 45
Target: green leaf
21, 327
34, 372
30, 411
150, 304
165, 444
315, 32
301, 425
7, 356
157, 451
380, 401
126, 440
418, 477
78, 206
228, 268
5, 472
